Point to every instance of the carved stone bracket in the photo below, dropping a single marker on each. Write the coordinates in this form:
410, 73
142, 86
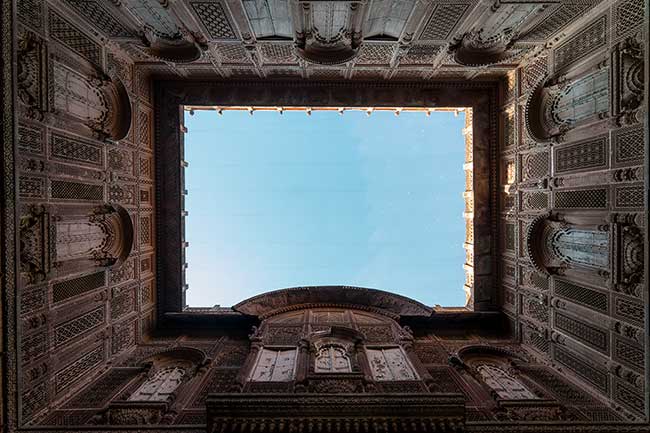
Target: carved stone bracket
628, 85
36, 244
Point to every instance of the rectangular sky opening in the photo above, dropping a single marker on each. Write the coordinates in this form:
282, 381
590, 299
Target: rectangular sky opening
278, 200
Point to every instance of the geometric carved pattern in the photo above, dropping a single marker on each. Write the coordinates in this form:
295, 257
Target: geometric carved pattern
443, 20
276, 53
375, 54
31, 187
221, 380
70, 288
144, 129
557, 20
73, 372
122, 301
214, 19
628, 15
34, 400
92, 11
33, 346
74, 39
587, 198
560, 388
629, 197
75, 150
121, 274
533, 73
232, 53
510, 239
122, 160
588, 154
77, 326
30, 12
420, 54
534, 200
628, 144
535, 339
628, 353
431, 353
579, 46
534, 165
103, 389
30, 139
588, 334
145, 230
581, 295
123, 336
76, 191
585, 370
32, 300
629, 397
232, 354
629, 310
123, 194
535, 309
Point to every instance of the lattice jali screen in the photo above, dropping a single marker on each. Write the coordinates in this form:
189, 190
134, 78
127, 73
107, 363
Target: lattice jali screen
581, 295
78, 326
67, 289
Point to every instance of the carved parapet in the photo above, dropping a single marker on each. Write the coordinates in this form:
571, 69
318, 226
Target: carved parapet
320, 413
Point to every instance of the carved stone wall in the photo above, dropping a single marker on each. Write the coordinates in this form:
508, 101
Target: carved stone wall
85, 190
77, 96
573, 259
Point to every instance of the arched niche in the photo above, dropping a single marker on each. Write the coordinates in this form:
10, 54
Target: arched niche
165, 372
334, 351
558, 105
492, 40
496, 369
103, 237
329, 32
554, 245
163, 38
88, 101
73, 239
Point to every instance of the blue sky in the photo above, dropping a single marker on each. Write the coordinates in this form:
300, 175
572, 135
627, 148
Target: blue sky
289, 200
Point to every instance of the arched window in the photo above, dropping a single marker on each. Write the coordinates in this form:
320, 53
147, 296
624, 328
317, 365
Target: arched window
332, 359
505, 385
161, 386
585, 97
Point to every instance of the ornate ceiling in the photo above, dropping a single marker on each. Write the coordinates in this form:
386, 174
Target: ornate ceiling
367, 39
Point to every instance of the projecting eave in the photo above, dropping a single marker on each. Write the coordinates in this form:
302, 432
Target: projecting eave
280, 301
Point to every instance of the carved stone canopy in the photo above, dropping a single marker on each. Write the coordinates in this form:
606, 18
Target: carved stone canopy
280, 301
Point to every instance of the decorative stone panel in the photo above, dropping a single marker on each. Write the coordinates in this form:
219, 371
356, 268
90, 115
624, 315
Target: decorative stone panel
75, 371
582, 368
67, 289
592, 336
73, 38
585, 42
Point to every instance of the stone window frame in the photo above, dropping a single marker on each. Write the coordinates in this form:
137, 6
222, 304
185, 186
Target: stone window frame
171, 96
417, 376
274, 348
